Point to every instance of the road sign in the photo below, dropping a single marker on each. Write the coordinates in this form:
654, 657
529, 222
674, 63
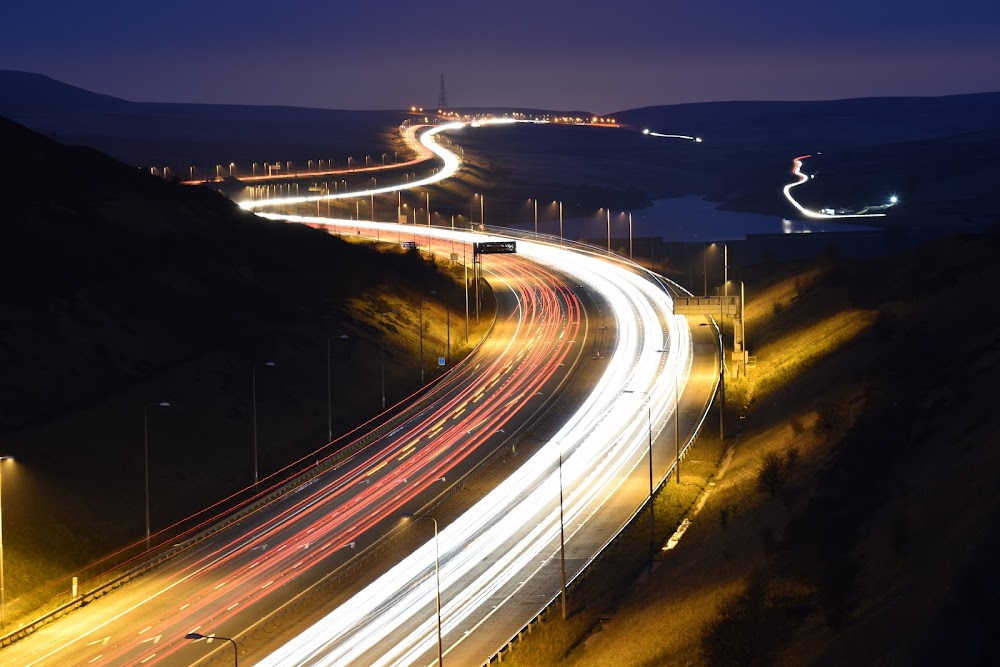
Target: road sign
441, 361
494, 247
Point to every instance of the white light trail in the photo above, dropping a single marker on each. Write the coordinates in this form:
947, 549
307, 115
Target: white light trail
650, 133
816, 215
501, 540
490, 544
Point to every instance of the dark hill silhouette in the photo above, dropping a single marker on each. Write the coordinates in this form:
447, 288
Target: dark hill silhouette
822, 125
28, 92
180, 135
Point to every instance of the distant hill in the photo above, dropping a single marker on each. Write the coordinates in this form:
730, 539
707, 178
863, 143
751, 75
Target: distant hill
180, 135
823, 125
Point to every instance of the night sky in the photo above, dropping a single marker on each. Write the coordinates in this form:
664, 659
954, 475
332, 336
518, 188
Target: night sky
595, 56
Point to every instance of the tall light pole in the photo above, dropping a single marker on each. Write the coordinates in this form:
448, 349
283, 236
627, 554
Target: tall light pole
2, 598
725, 267
652, 512
381, 351
427, 194
437, 577
253, 373
609, 229
536, 216
145, 440
560, 221
562, 535
630, 235
236, 649
329, 388
422, 337
677, 431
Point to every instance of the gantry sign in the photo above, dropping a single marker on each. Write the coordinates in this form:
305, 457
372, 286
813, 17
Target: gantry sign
480, 248
494, 247
720, 306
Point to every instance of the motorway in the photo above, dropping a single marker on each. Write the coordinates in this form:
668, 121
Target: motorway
497, 562
229, 581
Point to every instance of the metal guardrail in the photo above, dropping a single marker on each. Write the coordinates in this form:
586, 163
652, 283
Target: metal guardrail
236, 513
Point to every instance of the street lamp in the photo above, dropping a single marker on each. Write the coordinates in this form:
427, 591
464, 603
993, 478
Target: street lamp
562, 534
609, 229
422, 337
437, 575
145, 433
381, 351
560, 221
253, 373
236, 649
652, 513
2, 598
630, 235
482, 208
329, 388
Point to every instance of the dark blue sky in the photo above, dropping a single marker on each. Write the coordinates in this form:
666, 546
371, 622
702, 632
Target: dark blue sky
597, 56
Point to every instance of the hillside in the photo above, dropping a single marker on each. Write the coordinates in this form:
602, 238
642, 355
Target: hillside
179, 135
853, 519
124, 290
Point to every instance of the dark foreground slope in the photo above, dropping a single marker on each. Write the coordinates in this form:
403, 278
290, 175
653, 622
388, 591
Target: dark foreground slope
121, 290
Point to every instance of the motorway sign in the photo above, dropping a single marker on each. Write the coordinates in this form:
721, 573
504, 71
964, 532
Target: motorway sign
494, 247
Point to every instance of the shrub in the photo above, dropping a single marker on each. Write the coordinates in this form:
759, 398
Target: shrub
772, 474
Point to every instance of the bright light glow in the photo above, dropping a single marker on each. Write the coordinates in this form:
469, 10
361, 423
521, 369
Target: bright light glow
672, 136
502, 538
893, 200
797, 171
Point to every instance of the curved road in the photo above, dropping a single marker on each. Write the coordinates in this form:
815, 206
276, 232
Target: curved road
494, 555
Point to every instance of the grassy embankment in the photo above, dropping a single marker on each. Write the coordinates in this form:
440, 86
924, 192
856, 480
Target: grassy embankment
837, 533
125, 291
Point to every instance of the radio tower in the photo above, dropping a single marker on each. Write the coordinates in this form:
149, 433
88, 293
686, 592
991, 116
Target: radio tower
442, 96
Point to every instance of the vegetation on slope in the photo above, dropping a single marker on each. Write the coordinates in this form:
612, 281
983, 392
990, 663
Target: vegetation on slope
124, 290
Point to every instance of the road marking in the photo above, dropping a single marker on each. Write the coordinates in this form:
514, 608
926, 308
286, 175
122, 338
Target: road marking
95, 659
233, 607
219, 586
184, 607
102, 642
150, 627
267, 584
155, 640
143, 662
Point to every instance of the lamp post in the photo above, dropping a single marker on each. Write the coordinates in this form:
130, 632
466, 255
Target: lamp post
2, 598
560, 221
145, 433
236, 649
609, 229
630, 235
535, 201
381, 351
562, 535
329, 388
437, 577
652, 514
253, 373
422, 337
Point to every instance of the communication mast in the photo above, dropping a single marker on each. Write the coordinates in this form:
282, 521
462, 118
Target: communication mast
442, 96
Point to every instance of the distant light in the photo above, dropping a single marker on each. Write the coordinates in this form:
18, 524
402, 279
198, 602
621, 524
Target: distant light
646, 131
697, 139
893, 200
